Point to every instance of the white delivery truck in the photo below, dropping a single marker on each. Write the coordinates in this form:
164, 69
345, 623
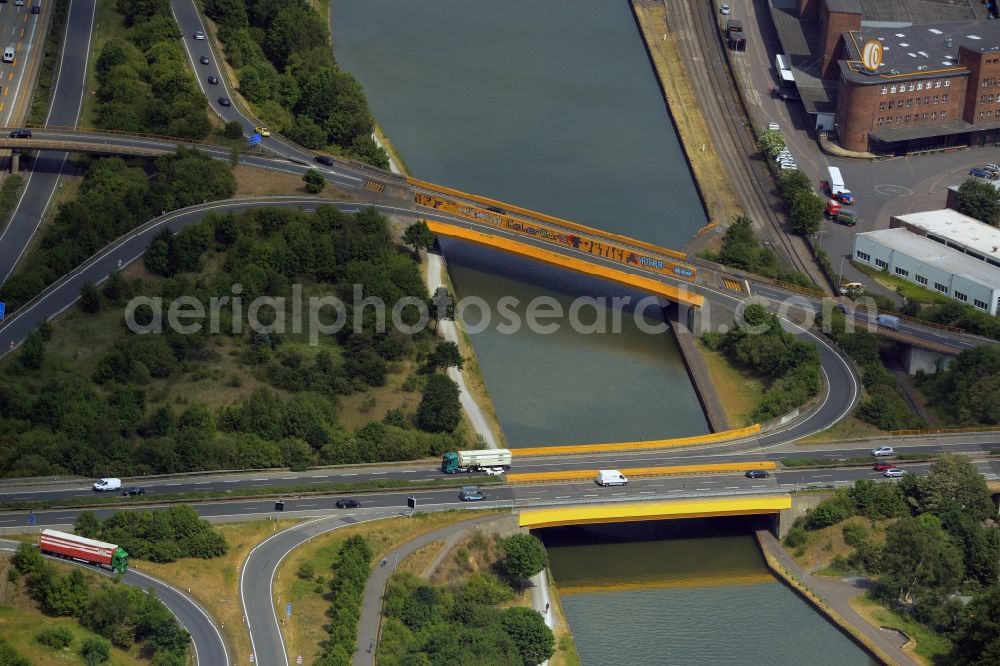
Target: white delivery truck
610, 477
888, 321
474, 461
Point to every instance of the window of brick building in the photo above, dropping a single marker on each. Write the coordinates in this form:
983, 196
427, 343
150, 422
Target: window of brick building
892, 104
920, 85
888, 120
937, 84
881, 106
880, 121
927, 101
909, 103
899, 119
947, 82
933, 115
923, 116
909, 88
885, 89
944, 99
892, 88
943, 114
918, 101
906, 119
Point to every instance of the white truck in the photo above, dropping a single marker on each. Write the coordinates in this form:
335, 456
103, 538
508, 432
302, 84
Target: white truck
838, 190
474, 461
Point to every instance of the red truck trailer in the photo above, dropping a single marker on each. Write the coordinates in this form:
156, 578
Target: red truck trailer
107, 555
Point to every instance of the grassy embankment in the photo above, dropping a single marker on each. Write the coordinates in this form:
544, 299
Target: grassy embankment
738, 390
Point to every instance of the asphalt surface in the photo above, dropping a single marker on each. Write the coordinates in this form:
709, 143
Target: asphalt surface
46, 169
22, 30
206, 639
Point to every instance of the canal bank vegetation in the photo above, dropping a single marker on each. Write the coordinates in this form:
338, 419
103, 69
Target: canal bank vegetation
286, 71
742, 250
789, 369
929, 544
87, 395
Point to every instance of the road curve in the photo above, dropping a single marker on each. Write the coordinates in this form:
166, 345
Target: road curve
206, 639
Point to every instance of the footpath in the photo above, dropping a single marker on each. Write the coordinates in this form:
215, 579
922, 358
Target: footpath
834, 602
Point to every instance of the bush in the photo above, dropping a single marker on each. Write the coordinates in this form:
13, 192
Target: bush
233, 130
829, 512
56, 638
855, 534
95, 651
796, 537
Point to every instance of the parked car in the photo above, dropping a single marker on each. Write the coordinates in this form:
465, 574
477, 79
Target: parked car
263, 131
323, 159
852, 289
198, 34
992, 167
214, 80
348, 504
882, 466
756, 474
224, 101
203, 60
471, 494
134, 490
773, 126
21, 134
979, 173
883, 451
494, 471
724, 9
893, 472
110, 483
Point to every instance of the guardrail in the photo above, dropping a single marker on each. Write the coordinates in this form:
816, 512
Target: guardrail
95, 130
943, 431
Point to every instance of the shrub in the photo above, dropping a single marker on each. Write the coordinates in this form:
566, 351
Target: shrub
829, 512
95, 651
796, 537
855, 534
56, 638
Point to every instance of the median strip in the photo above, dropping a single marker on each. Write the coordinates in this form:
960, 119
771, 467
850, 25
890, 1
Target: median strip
588, 474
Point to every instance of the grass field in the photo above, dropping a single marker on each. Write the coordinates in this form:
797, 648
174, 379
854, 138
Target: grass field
905, 288
738, 391
930, 647
847, 429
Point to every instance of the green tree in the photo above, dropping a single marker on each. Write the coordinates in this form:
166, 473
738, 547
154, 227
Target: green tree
977, 641
9, 656
56, 638
314, 180
90, 298
27, 558
233, 130
953, 481
535, 642
445, 355
793, 180
439, 409
805, 210
418, 236
114, 289
95, 651
919, 561
524, 556
32, 353
770, 143
979, 199
87, 525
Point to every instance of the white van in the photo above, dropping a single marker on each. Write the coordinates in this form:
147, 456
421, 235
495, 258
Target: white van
108, 484
610, 477
8, 54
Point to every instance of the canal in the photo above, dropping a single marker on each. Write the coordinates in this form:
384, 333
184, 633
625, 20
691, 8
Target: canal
684, 592
553, 106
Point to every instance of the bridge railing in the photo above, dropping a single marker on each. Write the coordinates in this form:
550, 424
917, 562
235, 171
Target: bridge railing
943, 431
110, 132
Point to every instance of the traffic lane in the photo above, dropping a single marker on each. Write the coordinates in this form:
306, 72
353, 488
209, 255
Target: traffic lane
17, 29
206, 640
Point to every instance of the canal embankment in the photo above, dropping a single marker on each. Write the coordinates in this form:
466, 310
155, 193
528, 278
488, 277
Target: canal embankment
701, 378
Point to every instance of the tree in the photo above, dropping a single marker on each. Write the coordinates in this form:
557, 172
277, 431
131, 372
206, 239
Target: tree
770, 143
793, 180
977, 641
979, 199
114, 288
314, 180
32, 353
233, 130
418, 236
535, 642
439, 409
95, 651
157, 256
90, 298
27, 558
524, 556
445, 355
919, 561
954, 482
87, 525
805, 210
11, 657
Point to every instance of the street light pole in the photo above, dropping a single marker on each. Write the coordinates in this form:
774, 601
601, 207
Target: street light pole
841, 275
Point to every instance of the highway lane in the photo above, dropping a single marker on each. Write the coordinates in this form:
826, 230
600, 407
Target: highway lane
47, 167
206, 640
22, 30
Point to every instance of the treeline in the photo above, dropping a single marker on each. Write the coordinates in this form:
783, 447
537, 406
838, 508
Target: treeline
158, 536
464, 622
805, 207
144, 84
124, 615
114, 198
885, 406
118, 412
791, 368
283, 59
347, 587
742, 250
968, 391
944, 541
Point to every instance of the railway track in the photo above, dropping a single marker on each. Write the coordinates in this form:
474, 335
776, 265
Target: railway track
694, 24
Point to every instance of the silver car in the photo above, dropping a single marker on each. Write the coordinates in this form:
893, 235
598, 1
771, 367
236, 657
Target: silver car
883, 451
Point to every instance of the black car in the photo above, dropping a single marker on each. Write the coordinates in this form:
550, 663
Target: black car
214, 80
348, 504
757, 474
224, 101
134, 490
323, 159
20, 134
203, 60
35, 9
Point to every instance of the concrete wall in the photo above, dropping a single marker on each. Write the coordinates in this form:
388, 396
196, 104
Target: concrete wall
801, 503
915, 359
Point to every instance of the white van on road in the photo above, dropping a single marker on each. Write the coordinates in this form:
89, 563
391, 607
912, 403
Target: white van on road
610, 477
108, 484
8, 54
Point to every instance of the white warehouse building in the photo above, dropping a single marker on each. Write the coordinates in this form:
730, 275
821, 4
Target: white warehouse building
931, 264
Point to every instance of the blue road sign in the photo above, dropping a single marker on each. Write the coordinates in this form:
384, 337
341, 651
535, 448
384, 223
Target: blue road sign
254, 139
288, 610
31, 518
3, 309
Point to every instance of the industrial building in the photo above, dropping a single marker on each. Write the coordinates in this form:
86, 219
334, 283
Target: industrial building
942, 250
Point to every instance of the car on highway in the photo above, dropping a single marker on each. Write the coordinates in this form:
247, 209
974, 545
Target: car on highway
494, 471
263, 131
133, 490
348, 504
203, 60
323, 159
198, 34
21, 134
882, 466
724, 9
19, 3
979, 173
214, 80
883, 451
36, 9
756, 474
471, 494
773, 126
893, 472
224, 101
109, 483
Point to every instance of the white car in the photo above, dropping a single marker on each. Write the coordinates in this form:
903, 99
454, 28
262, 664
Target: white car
494, 471
107, 484
893, 472
724, 9
773, 126
198, 34
883, 451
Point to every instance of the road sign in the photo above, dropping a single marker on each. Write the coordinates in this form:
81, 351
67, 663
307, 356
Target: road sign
31, 518
251, 657
298, 660
288, 610
254, 139
3, 309
411, 502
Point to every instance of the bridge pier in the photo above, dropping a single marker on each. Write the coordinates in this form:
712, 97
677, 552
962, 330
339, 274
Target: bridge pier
915, 358
15, 161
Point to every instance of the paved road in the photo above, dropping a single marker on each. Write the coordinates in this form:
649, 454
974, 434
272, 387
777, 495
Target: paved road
206, 639
25, 32
46, 169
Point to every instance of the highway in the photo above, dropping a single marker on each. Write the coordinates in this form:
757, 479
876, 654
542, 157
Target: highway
206, 639
22, 30
66, 103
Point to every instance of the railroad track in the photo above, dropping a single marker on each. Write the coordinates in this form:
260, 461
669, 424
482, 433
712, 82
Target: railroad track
726, 120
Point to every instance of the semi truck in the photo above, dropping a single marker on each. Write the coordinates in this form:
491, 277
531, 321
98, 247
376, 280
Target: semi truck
834, 211
474, 461
107, 555
836, 187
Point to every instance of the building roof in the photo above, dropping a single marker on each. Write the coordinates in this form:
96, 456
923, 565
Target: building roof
919, 51
845, 6
937, 255
947, 128
958, 228
907, 12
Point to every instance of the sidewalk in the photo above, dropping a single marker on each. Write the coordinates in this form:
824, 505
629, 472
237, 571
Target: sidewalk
837, 595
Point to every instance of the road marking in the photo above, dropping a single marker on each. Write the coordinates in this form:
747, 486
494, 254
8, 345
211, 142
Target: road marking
65, 518
171, 484
289, 478
350, 474
374, 473
409, 471
232, 481
324, 476
7, 521
731, 488
202, 483
821, 476
617, 493
591, 495
646, 492
562, 496
676, 490
260, 479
